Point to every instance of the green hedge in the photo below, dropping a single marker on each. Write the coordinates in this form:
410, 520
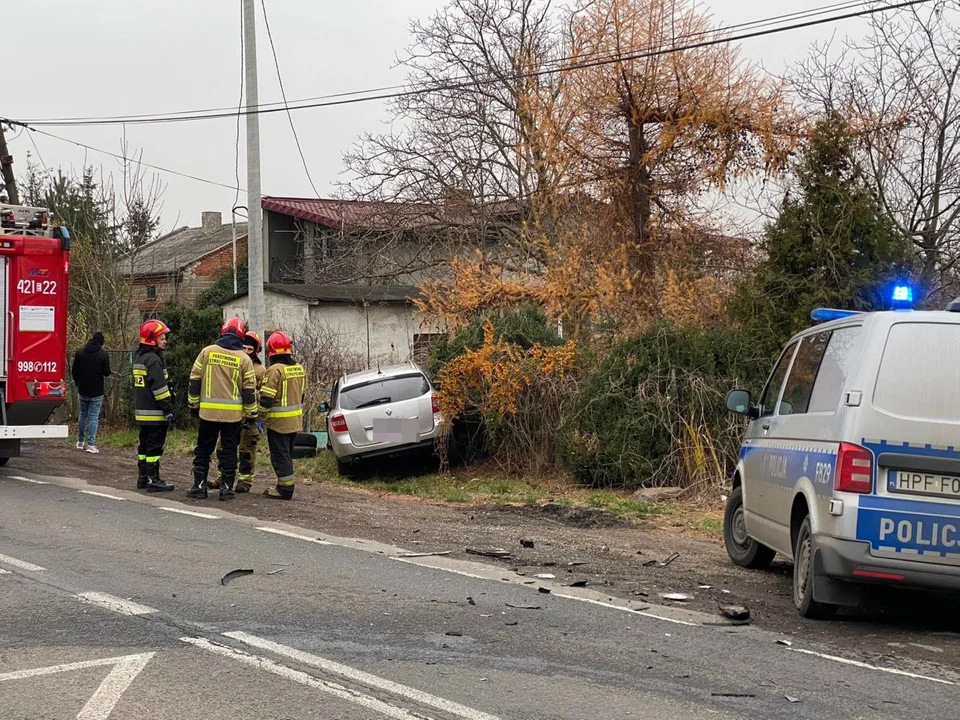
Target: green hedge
652, 411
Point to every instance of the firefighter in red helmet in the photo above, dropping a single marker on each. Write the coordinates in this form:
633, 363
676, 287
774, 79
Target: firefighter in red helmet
223, 392
153, 404
281, 408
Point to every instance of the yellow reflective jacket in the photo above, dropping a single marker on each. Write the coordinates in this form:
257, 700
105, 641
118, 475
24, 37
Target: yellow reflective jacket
223, 384
281, 397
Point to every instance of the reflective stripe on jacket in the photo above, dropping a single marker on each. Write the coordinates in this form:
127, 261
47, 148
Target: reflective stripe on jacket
223, 385
281, 397
152, 396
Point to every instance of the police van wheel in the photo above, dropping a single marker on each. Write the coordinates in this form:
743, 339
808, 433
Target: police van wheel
804, 577
742, 549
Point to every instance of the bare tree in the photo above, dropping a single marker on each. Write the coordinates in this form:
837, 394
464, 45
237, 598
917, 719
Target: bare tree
900, 87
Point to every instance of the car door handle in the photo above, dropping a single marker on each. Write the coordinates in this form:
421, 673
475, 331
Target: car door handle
766, 426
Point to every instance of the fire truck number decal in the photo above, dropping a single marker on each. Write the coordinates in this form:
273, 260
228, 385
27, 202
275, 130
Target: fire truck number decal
28, 366
37, 287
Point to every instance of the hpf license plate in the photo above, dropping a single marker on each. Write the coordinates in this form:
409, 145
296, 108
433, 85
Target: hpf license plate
924, 483
395, 430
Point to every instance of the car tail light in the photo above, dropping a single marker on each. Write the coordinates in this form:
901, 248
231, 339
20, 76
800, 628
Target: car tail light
435, 401
338, 423
854, 469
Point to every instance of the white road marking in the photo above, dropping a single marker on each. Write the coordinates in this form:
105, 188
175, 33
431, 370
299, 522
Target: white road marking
103, 495
7, 560
26, 479
117, 605
318, 541
867, 666
362, 677
339, 691
437, 567
191, 512
101, 704
626, 609
113, 686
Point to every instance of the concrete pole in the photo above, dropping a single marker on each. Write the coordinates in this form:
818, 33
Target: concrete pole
6, 165
255, 253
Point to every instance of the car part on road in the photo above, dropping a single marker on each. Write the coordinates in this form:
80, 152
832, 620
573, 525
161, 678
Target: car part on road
496, 553
424, 554
234, 574
677, 597
527, 543
670, 559
735, 612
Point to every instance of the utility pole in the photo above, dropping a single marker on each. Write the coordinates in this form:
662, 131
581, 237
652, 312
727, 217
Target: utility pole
6, 164
257, 318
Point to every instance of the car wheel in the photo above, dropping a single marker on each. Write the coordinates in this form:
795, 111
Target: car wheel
803, 577
742, 549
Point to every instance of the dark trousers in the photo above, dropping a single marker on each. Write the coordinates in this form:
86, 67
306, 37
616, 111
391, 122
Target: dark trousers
281, 455
229, 436
152, 439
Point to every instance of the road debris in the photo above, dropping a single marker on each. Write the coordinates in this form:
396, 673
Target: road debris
704, 587
735, 612
670, 559
545, 576
649, 563
784, 642
733, 695
523, 607
545, 591
578, 583
471, 601
640, 593
576, 563
274, 572
791, 699
454, 633
676, 597
527, 543
512, 622
234, 574
424, 554
497, 553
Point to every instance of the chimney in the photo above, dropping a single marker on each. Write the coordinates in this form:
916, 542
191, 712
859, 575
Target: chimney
211, 222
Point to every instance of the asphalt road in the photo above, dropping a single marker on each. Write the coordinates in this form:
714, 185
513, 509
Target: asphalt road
112, 606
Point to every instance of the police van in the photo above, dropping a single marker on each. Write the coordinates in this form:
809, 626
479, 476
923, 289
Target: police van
851, 461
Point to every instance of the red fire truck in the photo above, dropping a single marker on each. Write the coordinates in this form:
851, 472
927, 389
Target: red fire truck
34, 275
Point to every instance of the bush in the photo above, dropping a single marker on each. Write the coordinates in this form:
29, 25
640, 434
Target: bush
652, 412
190, 331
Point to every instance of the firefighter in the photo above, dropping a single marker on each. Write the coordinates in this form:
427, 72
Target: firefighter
281, 407
223, 393
250, 437
153, 404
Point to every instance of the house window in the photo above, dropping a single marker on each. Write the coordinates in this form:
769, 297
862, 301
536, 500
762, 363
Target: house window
151, 292
421, 346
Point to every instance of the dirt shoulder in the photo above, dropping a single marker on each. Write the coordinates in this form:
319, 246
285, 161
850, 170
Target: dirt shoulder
611, 555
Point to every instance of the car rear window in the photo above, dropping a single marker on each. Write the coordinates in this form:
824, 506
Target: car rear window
919, 375
381, 392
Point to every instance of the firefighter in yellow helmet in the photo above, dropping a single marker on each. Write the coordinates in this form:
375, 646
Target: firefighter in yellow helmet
223, 392
250, 437
153, 404
281, 407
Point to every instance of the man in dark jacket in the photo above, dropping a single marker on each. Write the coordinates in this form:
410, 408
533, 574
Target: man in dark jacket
153, 404
90, 366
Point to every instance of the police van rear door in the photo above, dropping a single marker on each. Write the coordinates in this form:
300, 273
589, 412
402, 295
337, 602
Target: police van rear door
910, 420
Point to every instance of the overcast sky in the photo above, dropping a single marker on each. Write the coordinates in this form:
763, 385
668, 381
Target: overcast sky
65, 58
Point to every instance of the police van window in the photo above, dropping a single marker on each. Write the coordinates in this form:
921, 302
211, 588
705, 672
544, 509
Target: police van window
919, 376
768, 401
834, 368
799, 387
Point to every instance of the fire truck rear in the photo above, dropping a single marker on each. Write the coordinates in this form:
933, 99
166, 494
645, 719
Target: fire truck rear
34, 274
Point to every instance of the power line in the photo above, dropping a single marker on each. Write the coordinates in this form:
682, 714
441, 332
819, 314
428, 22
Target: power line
129, 159
186, 114
283, 94
364, 96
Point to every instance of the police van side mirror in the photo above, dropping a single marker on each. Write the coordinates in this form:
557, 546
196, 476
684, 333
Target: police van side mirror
740, 402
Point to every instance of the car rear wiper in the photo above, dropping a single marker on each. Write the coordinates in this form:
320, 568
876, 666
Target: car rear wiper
370, 403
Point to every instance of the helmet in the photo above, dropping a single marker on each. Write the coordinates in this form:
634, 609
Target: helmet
279, 344
234, 326
151, 330
251, 338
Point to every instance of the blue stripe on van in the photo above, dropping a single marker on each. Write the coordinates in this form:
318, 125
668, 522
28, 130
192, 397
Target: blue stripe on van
906, 449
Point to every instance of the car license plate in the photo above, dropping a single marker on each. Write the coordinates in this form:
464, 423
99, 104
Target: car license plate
395, 430
924, 483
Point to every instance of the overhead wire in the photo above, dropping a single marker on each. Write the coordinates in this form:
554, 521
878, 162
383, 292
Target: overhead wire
359, 96
283, 94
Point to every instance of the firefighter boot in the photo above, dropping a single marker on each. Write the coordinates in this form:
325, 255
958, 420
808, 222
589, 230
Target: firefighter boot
283, 490
245, 472
226, 487
141, 474
199, 489
154, 483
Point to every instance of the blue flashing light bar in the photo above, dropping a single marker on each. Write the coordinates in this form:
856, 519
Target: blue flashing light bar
827, 314
902, 294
